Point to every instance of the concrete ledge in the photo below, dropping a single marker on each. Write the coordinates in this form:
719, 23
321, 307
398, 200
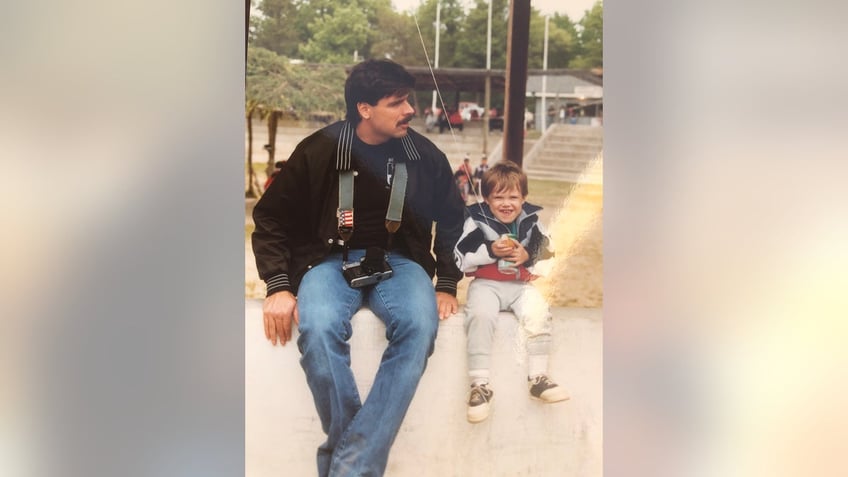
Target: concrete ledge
522, 437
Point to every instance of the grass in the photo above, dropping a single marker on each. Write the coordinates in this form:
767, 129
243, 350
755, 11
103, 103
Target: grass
548, 194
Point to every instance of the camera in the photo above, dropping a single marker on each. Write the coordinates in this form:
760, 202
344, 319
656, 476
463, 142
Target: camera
371, 269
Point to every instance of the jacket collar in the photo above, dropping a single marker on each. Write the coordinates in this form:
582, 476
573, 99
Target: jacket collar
344, 147
483, 213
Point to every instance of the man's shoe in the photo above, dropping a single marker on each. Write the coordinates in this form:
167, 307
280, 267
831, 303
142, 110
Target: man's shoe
478, 403
544, 389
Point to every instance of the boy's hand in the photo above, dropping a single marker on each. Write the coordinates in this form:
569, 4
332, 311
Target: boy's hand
504, 247
518, 255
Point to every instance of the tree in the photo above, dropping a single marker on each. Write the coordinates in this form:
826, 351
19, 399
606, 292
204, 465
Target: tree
274, 88
395, 36
591, 50
269, 92
452, 17
471, 52
252, 184
336, 36
274, 30
562, 41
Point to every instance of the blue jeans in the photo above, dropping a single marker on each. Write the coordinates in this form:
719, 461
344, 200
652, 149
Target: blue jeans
359, 435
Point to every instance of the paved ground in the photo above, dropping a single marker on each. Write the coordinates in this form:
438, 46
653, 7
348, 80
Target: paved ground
521, 438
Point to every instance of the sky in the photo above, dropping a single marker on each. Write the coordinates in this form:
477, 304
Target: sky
573, 8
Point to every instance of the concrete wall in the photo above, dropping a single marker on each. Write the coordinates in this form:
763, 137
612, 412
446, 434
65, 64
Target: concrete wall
522, 437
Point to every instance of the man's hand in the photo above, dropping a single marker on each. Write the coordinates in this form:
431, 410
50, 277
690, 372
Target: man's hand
446, 304
277, 312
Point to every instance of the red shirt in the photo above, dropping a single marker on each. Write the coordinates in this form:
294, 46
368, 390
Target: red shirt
491, 272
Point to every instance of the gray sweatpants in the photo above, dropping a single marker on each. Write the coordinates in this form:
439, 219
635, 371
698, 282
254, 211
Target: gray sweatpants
488, 297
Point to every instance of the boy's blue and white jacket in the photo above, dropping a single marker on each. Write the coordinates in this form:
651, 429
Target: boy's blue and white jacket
473, 251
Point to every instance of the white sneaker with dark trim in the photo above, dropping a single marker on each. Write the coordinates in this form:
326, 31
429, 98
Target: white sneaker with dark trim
543, 389
478, 403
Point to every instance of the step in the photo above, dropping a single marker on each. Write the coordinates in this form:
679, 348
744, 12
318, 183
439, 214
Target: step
572, 146
562, 161
578, 129
555, 155
573, 177
572, 142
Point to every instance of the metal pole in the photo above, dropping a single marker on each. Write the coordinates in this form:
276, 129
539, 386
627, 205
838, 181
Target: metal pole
436, 61
518, 40
487, 99
545, 79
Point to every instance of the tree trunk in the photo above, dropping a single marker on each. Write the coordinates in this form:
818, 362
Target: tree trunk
272, 141
251, 176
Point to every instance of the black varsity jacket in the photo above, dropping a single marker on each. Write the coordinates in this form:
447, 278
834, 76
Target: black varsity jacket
296, 221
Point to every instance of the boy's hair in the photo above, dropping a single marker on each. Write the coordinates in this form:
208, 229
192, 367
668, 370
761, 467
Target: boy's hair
373, 80
503, 175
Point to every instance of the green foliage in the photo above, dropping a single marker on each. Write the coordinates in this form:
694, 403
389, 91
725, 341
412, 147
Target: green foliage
471, 52
591, 51
562, 41
329, 31
396, 37
336, 36
298, 90
275, 30
452, 19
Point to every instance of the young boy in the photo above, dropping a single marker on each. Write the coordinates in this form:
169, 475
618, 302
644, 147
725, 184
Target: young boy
501, 244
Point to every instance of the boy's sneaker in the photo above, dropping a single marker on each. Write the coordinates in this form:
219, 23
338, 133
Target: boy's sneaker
478, 403
544, 389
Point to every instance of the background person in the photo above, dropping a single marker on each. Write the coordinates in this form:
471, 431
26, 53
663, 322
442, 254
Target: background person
462, 176
479, 171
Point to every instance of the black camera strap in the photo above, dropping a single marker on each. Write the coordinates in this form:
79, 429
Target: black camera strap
344, 165
394, 213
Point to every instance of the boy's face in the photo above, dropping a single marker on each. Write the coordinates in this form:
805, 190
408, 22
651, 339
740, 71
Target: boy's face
506, 204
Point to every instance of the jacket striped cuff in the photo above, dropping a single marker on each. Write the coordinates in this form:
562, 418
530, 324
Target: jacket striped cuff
277, 283
447, 285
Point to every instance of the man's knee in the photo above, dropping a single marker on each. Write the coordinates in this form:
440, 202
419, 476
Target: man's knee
414, 330
323, 325
416, 324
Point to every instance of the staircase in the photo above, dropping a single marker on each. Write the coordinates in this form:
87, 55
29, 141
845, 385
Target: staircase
566, 153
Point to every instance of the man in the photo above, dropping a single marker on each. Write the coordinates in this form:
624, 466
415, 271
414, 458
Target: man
305, 230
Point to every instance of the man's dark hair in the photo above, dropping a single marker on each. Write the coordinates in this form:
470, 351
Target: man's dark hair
373, 80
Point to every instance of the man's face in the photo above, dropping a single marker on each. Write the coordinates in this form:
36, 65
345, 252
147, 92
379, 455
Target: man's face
388, 119
505, 204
